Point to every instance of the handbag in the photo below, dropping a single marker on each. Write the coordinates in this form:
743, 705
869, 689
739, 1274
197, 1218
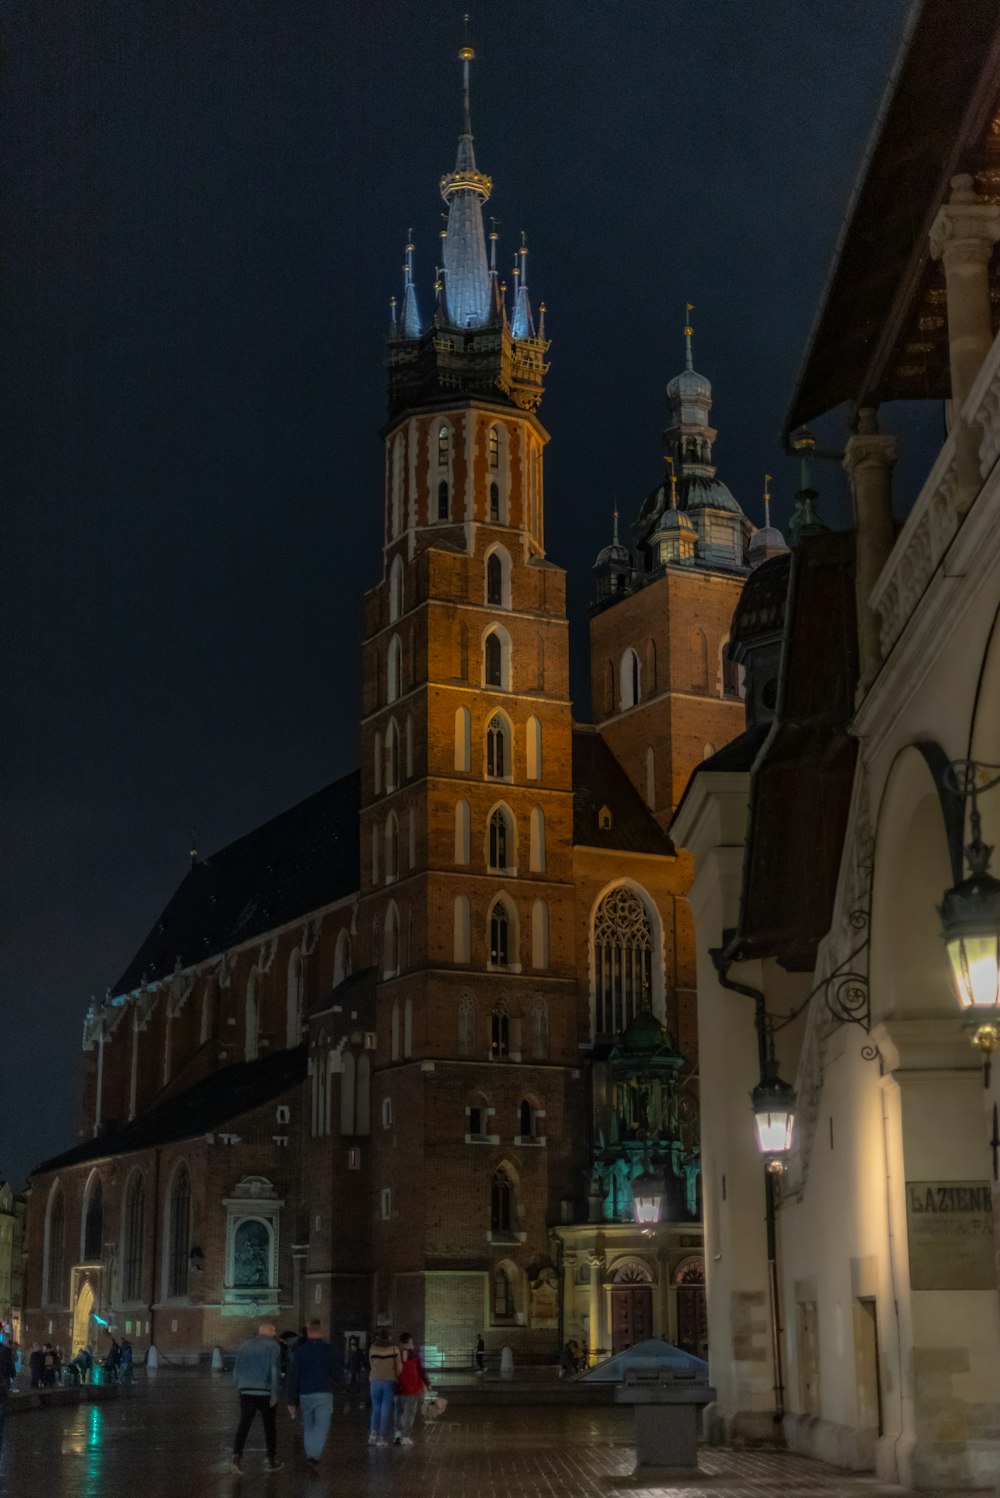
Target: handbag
434, 1407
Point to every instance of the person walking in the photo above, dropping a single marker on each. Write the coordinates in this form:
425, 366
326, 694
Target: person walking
36, 1364
309, 1383
355, 1373
8, 1373
257, 1375
85, 1362
384, 1366
412, 1383
480, 1354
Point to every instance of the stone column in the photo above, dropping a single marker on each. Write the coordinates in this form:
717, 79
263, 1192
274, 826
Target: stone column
869, 460
962, 237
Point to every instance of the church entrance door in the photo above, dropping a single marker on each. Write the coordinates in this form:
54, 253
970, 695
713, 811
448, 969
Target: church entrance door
631, 1315
81, 1318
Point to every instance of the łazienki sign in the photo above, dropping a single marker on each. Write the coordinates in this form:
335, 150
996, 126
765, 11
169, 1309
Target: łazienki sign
950, 1230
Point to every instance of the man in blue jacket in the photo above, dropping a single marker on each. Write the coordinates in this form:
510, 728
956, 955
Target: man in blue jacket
309, 1385
257, 1374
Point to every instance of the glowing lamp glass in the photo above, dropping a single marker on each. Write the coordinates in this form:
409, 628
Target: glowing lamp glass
970, 920
773, 1103
647, 1199
975, 970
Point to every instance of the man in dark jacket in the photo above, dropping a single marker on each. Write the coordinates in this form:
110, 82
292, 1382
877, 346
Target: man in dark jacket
257, 1374
36, 1362
309, 1385
8, 1373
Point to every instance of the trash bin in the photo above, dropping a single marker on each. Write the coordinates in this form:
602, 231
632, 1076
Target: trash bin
668, 1405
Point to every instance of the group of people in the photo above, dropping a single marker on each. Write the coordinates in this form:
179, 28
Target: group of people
396, 1380
48, 1366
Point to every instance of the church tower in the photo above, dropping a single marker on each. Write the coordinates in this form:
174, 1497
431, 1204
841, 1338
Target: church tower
466, 905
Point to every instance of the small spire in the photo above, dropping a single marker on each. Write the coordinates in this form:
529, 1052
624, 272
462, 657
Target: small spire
673, 482
688, 335
467, 55
411, 315
767, 499
393, 324
494, 236
524, 323
615, 514
541, 320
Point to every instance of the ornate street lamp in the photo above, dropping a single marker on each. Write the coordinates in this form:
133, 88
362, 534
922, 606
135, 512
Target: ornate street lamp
647, 1198
773, 1103
970, 920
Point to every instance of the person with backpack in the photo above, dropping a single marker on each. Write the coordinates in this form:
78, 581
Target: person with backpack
412, 1383
384, 1368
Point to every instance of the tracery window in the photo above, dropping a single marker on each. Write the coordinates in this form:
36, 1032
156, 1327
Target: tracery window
623, 956
93, 1224
499, 1034
498, 748
179, 1240
501, 1203
500, 840
135, 1225
503, 1295
500, 935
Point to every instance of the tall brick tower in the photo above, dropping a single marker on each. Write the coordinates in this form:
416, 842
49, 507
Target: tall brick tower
466, 899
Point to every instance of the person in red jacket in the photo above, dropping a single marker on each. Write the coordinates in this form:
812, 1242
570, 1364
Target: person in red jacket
409, 1387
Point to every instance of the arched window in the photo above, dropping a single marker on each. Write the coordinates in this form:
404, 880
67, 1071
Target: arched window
390, 942
539, 935
342, 957
394, 1032
55, 1247
179, 1232
251, 1021
533, 748
442, 510
462, 832
501, 945
295, 999
463, 937
377, 765
362, 1117
348, 1092
135, 1236
494, 448
444, 446
408, 1028
391, 757
540, 1030
495, 502
463, 739
466, 1025
499, 764
629, 680
395, 589
623, 956
93, 1221
650, 777
501, 844
494, 580
496, 659
391, 848
501, 1203
526, 1119
503, 1294
376, 845
394, 669
500, 1033
536, 851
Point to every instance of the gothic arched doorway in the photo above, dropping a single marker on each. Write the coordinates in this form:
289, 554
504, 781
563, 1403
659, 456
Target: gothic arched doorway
82, 1317
631, 1305
692, 1313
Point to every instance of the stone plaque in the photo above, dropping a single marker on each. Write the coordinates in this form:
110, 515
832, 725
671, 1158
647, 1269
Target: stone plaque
950, 1228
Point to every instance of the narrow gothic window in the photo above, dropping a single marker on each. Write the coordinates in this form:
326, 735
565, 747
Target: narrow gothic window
730, 674
180, 1233
54, 1294
527, 1119
466, 1026
494, 660
539, 1031
444, 446
497, 749
495, 502
500, 935
499, 1034
135, 1223
499, 834
443, 500
501, 1203
623, 952
93, 1227
503, 1295
494, 448
494, 580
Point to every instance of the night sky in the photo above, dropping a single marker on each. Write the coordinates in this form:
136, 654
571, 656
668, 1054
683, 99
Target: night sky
205, 206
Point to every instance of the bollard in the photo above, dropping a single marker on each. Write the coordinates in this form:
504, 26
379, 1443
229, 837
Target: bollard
217, 1363
506, 1361
152, 1359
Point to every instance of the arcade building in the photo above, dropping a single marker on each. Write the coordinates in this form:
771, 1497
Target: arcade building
401, 1053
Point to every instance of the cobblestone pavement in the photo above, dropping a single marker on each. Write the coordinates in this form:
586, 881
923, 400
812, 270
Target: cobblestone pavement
172, 1437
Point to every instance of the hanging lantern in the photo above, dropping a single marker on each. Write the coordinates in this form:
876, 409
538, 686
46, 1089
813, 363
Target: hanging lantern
970, 919
773, 1103
647, 1198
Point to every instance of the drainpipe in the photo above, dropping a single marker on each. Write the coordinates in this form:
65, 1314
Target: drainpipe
723, 957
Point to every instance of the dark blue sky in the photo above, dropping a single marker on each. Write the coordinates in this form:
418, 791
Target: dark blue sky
205, 207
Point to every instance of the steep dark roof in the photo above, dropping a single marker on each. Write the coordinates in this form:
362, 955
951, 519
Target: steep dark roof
599, 780
761, 607
219, 1098
303, 859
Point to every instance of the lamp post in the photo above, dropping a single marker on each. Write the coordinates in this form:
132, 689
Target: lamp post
773, 1103
970, 916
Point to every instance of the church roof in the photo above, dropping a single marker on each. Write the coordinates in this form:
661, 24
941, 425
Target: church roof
599, 781
300, 861
217, 1099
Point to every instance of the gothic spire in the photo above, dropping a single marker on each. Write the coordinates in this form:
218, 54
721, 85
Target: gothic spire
523, 325
410, 320
465, 190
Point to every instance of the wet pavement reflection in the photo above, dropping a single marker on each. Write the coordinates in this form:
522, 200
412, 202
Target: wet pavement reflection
172, 1436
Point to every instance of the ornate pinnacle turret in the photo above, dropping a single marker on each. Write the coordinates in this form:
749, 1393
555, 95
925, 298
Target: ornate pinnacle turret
804, 520
465, 190
767, 499
410, 320
523, 325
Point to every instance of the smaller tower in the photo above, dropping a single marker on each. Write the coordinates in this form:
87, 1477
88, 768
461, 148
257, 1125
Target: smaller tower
768, 541
613, 569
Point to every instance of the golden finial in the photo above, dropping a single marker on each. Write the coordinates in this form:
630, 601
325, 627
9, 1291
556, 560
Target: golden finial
466, 54
673, 482
767, 499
